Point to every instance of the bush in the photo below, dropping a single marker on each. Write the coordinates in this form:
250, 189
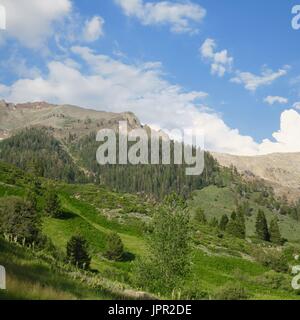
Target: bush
271, 259
194, 294
274, 280
53, 208
231, 292
77, 252
19, 219
114, 247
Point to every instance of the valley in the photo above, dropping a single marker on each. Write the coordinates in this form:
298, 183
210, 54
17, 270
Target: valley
46, 157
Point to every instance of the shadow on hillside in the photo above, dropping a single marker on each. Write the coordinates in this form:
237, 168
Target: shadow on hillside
67, 215
128, 256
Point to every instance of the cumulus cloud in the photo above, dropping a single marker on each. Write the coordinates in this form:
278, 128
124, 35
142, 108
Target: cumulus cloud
93, 29
108, 84
287, 138
31, 21
221, 62
296, 105
275, 99
180, 16
251, 81
101, 82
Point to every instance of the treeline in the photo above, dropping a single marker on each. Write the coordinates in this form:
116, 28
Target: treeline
36, 151
158, 180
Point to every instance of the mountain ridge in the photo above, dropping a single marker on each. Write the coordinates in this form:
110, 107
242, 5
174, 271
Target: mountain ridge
280, 170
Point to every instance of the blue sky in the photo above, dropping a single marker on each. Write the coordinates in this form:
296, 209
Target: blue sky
232, 65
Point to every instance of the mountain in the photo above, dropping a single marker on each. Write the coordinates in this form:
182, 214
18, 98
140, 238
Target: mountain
66, 120
280, 170
75, 128
53, 148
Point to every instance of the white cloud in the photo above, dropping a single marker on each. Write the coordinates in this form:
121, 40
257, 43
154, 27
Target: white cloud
275, 99
296, 105
180, 16
93, 29
251, 81
108, 84
221, 62
114, 86
287, 138
31, 21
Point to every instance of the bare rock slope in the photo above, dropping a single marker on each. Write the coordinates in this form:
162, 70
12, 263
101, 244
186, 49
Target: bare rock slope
281, 170
64, 119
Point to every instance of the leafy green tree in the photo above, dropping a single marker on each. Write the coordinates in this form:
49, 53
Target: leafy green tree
114, 247
53, 208
169, 245
19, 219
78, 252
275, 235
261, 226
200, 216
223, 222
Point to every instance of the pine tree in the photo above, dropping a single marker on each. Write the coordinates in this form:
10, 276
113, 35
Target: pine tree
77, 252
224, 222
261, 226
52, 207
114, 247
236, 225
275, 235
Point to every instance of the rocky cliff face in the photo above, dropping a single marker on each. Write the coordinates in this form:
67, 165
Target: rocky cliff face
281, 170
64, 119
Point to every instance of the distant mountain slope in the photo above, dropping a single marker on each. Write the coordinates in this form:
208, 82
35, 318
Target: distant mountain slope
281, 170
66, 120
37, 151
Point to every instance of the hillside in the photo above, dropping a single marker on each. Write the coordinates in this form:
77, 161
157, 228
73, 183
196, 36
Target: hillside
65, 120
217, 262
281, 170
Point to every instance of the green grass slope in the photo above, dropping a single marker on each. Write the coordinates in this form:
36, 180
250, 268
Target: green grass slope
95, 211
217, 201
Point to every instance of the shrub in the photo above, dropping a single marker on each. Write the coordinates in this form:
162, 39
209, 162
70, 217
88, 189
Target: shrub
200, 216
194, 294
77, 252
231, 292
19, 219
53, 208
114, 247
274, 280
271, 259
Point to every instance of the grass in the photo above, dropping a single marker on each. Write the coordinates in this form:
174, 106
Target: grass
30, 277
218, 201
215, 261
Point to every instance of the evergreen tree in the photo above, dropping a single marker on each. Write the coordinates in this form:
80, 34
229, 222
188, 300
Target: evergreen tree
200, 216
53, 208
236, 225
223, 222
261, 226
241, 224
114, 247
275, 235
77, 252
